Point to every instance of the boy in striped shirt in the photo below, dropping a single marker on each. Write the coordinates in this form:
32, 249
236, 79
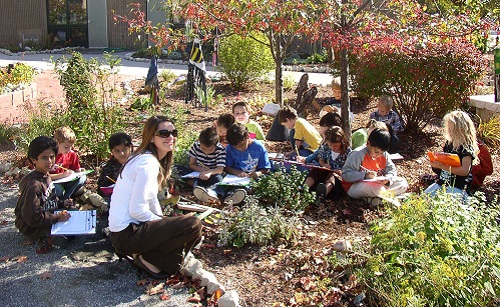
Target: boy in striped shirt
208, 157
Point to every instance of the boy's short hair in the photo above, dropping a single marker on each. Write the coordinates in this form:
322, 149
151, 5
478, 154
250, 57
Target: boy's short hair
119, 138
208, 137
386, 102
41, 144
64, 134
226, 120
236, 134
380, 138
330, 120
242, 104
286, 113
373, 123
336, 84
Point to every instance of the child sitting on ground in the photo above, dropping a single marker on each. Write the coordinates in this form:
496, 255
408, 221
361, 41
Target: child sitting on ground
305, 139
327, 121
369, 173
222, 124
360, 136
245, 157
121, 146
241, 112
460, 135
208, 157
38, 201
332, 156
67, 163
386, 115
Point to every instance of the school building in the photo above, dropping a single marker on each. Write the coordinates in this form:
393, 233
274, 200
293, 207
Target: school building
58, 23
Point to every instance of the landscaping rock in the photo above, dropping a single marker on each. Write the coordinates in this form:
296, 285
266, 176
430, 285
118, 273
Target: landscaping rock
229, 299
271, 109
214, 286
342, 246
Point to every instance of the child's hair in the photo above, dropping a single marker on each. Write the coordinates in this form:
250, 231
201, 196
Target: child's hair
386, 102
286, 113
39, 145
336, 84
337, 135
330, 120
148, 133
208, 137
226, 120
119, 138
459, 130
380, 138
372, 124
64, 134
242, 104
236, 134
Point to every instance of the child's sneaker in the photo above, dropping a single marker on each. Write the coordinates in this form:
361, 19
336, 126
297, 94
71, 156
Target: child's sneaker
59, 241
235, 197
321, 190
205, 195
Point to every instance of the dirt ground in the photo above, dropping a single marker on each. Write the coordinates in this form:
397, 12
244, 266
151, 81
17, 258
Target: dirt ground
273, 275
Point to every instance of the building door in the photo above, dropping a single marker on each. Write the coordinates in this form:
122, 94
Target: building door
67, 23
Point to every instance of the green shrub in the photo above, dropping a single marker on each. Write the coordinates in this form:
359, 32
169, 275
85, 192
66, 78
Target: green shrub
318, 58
243, 59
288, 82
284, 190
425, 81
256, 225
435, 252
205, 97
20, 73
489, 131
167, 75
93, 118
142, 103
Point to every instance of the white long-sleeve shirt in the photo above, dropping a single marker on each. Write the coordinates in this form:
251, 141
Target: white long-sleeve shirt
134, 198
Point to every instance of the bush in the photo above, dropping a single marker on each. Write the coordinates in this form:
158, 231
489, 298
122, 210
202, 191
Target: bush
256, 225
489, 131
318, 58
284, 190
425, 81
436, 252
11, 78
243, 59
93, 120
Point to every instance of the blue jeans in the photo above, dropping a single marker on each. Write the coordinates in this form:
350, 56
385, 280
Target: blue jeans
211, 183
432, 189
64, 190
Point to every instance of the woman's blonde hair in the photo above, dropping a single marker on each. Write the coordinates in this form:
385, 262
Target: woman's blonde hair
147, 145
459, 130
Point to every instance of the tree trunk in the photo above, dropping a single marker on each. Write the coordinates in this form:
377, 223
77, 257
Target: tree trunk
278, 70
344, 85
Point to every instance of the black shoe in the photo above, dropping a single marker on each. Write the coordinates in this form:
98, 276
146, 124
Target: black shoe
321, 190
59, 241
138, 263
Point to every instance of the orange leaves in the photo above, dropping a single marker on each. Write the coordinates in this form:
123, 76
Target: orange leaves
20, 259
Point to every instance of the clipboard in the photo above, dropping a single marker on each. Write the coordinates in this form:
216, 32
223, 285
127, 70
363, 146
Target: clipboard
446, 158
80, 223
233, 180
73, 176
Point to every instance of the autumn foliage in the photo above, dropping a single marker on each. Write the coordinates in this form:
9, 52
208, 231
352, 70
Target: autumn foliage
426, 80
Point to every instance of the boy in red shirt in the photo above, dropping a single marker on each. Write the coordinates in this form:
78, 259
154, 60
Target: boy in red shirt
67, 163
369, 173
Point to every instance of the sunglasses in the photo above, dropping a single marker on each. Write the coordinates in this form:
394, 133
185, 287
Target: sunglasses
166, 133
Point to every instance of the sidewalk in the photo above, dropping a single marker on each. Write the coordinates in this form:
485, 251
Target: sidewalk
85, 273
139, 69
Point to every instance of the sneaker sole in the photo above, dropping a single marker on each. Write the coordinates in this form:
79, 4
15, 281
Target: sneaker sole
203, 196
236, 198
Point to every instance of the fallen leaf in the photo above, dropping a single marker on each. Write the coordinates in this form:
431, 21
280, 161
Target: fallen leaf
5, 259
227, 251
20, 259
141, 282
209, 245
46, 275
346, 211
28, 242
4, 222
217, 294
152, 290
164, 297
351, 283
311, 234
202, 292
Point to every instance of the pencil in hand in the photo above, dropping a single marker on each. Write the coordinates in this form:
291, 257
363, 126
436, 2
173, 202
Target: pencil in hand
111, 179
60, 166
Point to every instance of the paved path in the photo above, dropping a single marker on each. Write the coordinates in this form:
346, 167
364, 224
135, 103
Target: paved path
85, 273
139, 69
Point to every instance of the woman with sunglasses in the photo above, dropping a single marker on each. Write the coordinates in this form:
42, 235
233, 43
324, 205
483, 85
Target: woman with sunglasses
138, 227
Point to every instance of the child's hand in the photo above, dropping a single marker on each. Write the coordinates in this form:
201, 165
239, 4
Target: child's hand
243, 174
370, 174
67, 173
301, 159
81, 169
205, 175
63, 216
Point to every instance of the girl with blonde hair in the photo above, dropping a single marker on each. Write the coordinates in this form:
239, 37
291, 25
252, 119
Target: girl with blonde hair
460, 135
